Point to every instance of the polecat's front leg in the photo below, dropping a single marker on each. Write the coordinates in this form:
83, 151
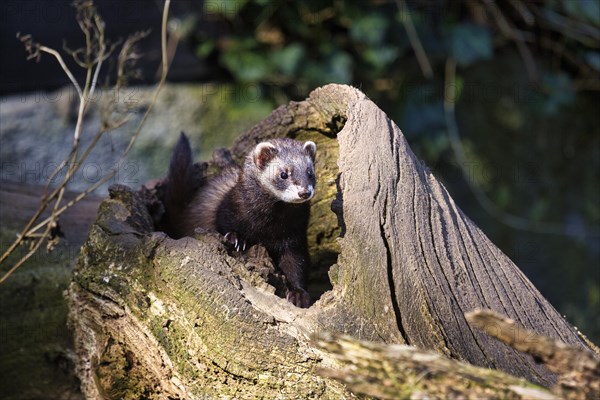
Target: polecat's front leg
298, 297
293, 260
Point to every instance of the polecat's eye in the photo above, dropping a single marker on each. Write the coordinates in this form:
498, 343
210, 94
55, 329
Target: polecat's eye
309, 172
284, 175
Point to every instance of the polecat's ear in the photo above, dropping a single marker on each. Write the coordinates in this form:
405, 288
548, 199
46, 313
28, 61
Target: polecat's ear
311, 149
263, 153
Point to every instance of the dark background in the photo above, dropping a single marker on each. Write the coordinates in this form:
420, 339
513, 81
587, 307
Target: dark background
52, 23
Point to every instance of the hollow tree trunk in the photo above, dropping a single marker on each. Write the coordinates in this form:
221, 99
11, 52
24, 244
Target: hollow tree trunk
157, 316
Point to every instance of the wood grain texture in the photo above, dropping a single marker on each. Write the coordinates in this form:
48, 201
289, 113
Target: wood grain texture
579, 371
388, 372
410, 265
425, 258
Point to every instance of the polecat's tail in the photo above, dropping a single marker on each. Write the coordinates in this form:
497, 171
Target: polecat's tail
183, 179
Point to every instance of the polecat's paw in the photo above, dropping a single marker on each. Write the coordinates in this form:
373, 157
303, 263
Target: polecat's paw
298, 297
239, 244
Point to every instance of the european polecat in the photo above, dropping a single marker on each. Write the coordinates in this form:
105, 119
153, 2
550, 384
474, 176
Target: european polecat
266, 201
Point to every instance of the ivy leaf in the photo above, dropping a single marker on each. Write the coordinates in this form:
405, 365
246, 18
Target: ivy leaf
369, 29
558, 92
244, 60
288, 59
381, 57
336, 68
593, 59
585, 10
205, 48
470, 43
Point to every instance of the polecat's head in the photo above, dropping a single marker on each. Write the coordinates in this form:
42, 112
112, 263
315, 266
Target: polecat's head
286, 168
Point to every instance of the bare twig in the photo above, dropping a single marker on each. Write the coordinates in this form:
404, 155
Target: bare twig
510, 32
34, 51
523, 11
165, 70
128, 55
565, 55
26, 257
96, 51
586, 34
415, 42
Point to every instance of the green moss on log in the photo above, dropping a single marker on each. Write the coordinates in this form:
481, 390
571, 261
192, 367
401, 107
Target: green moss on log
218, 343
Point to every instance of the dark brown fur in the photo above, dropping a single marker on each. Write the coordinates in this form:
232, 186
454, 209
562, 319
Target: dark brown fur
236, 202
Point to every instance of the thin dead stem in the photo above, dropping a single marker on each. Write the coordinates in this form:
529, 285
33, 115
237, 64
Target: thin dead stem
66, 69
415, 42
96, 51
510, 32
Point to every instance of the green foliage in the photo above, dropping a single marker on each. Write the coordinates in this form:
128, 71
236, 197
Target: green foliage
244, 60
470, 43
229, 110
526, 104
558, 92
289, 59
369, 29
583, 10
228, 9
335, 68
381, 57
593, 59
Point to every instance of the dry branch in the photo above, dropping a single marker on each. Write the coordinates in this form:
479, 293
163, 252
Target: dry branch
95, 52
579, 370
403, 372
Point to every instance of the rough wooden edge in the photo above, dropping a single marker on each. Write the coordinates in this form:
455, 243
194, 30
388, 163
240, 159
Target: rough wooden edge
579, 370
401, 372
421, 262
107, 332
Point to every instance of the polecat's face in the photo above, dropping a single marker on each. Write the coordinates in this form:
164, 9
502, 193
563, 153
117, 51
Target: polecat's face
287, 168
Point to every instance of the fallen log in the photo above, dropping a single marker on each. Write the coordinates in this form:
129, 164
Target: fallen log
392, 371
395, 371
185, 319
578, 370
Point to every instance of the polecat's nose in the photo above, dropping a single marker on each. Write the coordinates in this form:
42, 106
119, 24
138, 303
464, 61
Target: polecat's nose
305, 194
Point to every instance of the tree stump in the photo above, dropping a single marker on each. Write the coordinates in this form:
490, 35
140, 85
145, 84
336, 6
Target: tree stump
156, 317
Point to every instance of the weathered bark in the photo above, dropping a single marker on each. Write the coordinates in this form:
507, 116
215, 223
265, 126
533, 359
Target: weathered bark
396, 371
410, 264
578, 370
399, 371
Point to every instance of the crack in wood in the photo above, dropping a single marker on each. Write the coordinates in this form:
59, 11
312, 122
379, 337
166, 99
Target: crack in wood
391, 280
